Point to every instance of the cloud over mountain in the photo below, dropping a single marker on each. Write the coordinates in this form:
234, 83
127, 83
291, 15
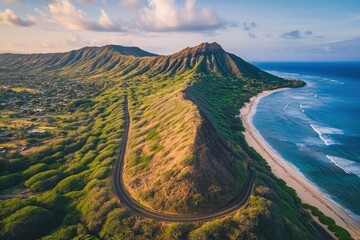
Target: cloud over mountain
129, 3
168, 15
9, 18
66, 14
155, 16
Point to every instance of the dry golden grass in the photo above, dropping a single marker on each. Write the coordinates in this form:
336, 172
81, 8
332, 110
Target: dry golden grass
20, 89
13, 144
163, 128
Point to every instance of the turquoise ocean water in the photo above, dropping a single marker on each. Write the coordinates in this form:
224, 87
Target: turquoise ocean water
317, 127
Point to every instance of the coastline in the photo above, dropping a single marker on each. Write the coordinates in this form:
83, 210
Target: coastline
306, 191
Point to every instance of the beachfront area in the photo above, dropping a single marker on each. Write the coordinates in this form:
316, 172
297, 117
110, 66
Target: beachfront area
281, 168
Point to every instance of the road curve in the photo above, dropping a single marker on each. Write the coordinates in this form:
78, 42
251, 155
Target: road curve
125, 198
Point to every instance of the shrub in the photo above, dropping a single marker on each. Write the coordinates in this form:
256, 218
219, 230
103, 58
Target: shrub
177, 231
96, 205
87, 147
197, 199
44, 180
314, 210
51, 201
340, 232
72, 183
101, 173
28, 223
104, 155
117, 226
152, 134
167, 175
77, 103
216, 229
75, 169
88, 158
156, 147
9, 180
147, 194
63, 233
52, 158
15, 165
34, 169
326, 220
10, 206
31, 140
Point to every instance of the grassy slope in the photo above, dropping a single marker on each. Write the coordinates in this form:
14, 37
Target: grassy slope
167, 127
161, 141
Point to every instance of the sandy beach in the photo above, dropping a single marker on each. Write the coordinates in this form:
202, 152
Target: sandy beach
306, 191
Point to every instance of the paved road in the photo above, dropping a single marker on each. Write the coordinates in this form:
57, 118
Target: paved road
125, 198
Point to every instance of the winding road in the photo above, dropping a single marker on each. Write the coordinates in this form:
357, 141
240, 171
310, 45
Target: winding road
125, 198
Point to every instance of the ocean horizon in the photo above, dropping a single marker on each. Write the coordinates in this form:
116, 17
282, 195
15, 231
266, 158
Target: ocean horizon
316, 128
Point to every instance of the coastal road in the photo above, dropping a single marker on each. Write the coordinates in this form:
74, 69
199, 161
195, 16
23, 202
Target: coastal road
125, 198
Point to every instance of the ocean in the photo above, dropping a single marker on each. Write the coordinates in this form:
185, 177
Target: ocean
317, 127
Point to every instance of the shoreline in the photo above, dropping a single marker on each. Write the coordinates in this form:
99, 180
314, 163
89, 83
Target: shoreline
306, 191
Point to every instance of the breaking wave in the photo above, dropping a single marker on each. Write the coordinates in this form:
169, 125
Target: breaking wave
350, 167
325, 132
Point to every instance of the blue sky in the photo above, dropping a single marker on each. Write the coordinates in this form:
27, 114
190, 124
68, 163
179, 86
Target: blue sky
256, 30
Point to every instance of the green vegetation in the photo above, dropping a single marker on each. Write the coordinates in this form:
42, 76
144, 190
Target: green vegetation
66, 175
186, 152
44, 180
29, 222
339, 232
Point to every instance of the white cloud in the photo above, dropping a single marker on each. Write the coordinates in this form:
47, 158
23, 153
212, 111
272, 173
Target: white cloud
129, 3
9, 18
168, 15
41, 12
104, 19
86, 1
66, 14
78, 40
11, 1
43, 18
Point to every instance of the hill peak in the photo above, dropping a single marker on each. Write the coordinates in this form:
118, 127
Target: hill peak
210, 47
207, 48
205, 57
203, 49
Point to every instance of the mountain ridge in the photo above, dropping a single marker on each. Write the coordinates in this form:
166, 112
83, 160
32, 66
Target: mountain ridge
124, 50
203, 58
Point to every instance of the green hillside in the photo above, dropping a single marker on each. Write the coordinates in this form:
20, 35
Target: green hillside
186, 151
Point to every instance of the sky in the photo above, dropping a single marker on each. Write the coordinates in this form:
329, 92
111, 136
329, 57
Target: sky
256, 30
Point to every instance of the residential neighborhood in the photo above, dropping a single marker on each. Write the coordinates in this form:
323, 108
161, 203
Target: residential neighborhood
29, 105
